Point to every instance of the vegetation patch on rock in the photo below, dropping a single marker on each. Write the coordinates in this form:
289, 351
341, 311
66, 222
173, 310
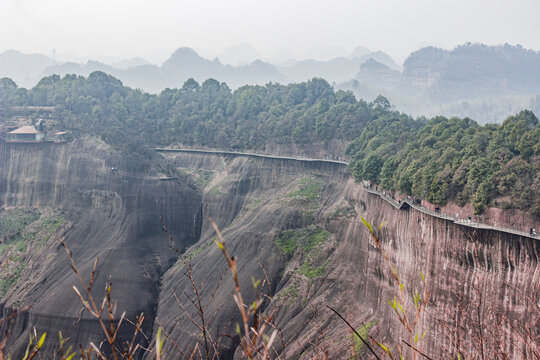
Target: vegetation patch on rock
363, 331
290, 293
305, 238
310, 190
311, 272
10, 275
343, 210
20, 227
304, 247
13, 222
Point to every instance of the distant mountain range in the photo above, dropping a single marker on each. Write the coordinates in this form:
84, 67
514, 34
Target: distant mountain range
27, 70
24, 69
483, 82
487, 83
335, 70
474, 69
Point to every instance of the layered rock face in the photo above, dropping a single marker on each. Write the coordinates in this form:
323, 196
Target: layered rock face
295, 225
253, 201
110, 215
264, 207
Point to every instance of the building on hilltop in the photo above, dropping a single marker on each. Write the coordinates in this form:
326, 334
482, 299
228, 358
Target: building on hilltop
26, 133
13, 133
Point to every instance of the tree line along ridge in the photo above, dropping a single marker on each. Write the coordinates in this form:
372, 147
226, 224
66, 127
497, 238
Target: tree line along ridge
437, 159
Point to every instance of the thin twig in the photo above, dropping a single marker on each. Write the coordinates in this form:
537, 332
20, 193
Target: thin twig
415, 349
352, 328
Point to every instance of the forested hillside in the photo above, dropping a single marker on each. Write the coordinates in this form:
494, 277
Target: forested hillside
454, 159
438, 160
207, 114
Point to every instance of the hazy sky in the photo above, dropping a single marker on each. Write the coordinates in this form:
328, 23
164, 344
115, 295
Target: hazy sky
153, 29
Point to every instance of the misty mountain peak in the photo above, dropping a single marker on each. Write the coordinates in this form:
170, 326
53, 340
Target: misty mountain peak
429, 56
183, 55
359, 51
260, 63
372, 65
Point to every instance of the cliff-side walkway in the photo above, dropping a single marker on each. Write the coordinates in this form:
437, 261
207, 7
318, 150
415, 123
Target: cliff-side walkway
405, 204
401, 205
236, 153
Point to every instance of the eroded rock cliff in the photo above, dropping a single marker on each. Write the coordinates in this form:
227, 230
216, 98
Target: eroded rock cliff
105, 214
300, 222
294, 223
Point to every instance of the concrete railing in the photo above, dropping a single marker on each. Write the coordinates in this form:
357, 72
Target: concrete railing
237, 153
456, 220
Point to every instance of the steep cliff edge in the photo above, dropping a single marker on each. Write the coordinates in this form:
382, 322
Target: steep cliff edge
101, 213
300, 222
297, 223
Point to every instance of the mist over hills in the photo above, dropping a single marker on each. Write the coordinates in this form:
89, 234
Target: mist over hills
473, 69
23, 68
130, 63
186, 63
183, 64
335, 70
359, 51
241, 54
487, 83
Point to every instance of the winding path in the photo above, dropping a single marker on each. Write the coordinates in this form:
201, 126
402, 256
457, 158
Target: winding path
404, 205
